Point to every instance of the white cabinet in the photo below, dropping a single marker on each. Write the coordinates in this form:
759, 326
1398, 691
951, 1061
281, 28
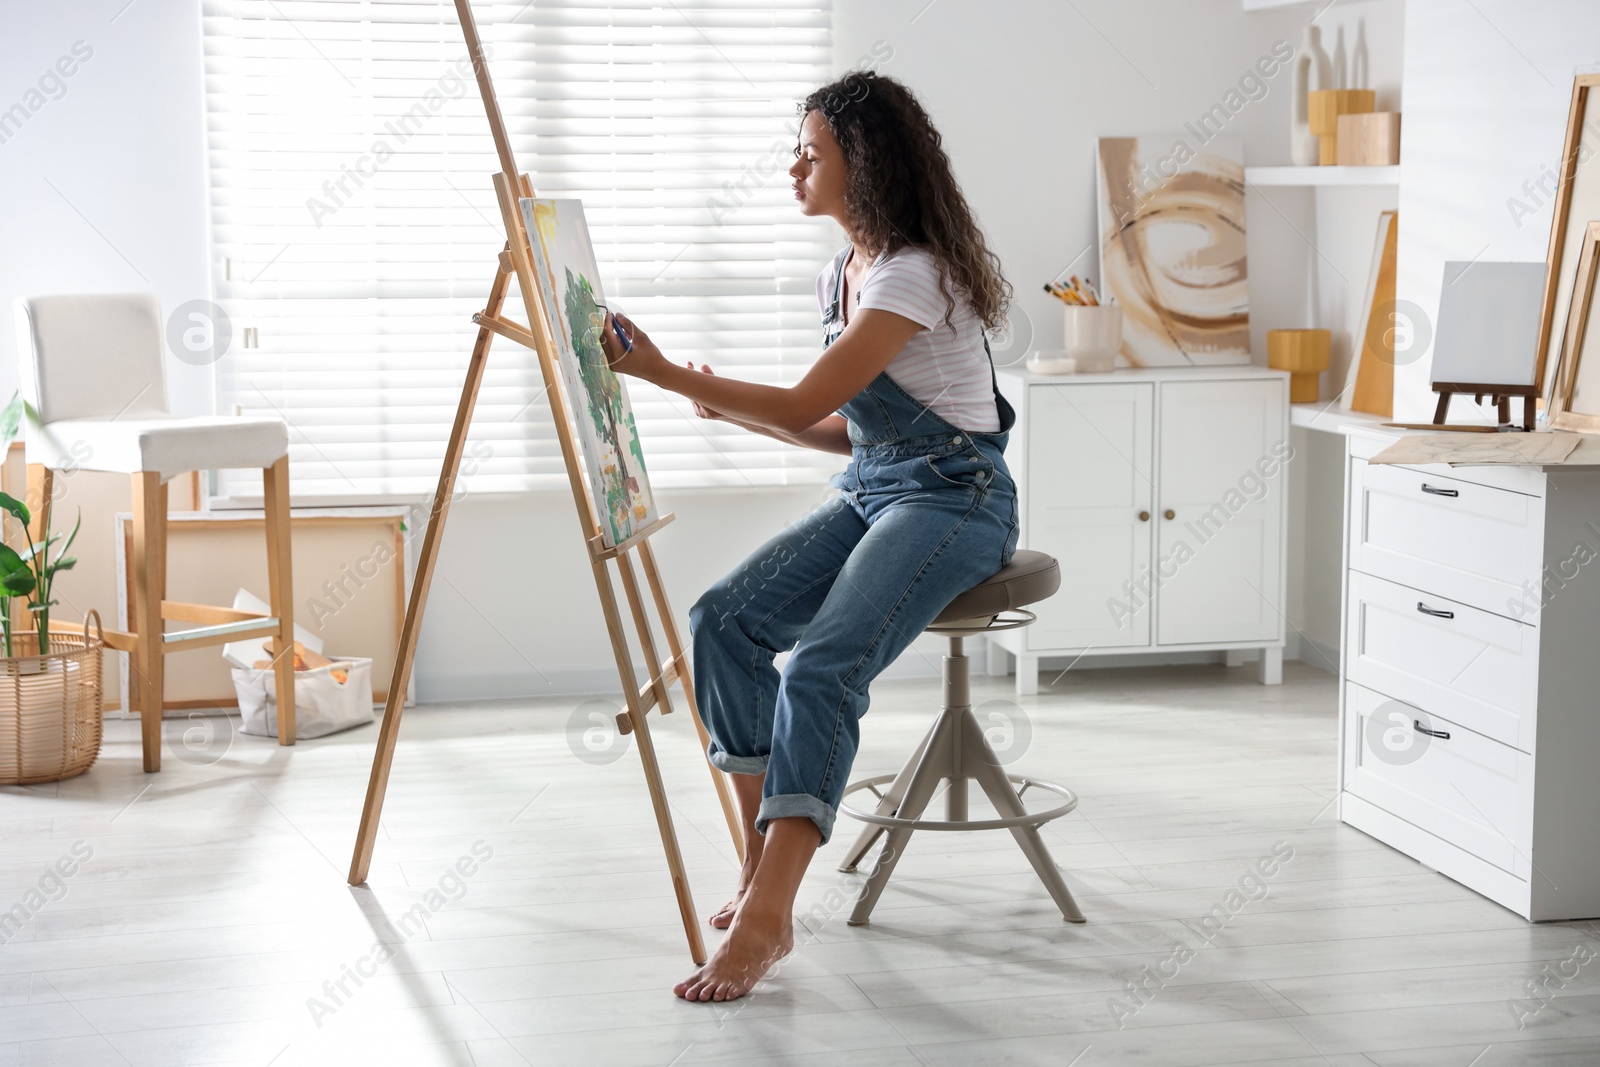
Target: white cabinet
1092, 503
1163, 495
1469, 724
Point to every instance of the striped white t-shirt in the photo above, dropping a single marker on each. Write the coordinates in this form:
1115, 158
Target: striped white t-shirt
944, 367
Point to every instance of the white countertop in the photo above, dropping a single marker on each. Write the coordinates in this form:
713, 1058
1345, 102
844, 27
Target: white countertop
1232, 371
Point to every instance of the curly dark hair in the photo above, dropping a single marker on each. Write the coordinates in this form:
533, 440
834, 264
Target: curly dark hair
901, 189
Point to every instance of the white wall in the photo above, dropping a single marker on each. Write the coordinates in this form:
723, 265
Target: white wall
103, 189
1040, 82
1487, 87
1020, 91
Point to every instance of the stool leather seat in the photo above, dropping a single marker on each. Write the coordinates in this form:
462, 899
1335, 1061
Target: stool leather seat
1029, 578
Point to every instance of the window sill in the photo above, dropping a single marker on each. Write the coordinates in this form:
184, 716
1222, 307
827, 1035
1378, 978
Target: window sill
397, 500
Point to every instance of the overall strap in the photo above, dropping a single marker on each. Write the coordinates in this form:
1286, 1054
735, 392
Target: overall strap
834, 312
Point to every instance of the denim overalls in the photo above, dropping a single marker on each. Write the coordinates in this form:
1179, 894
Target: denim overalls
926, 511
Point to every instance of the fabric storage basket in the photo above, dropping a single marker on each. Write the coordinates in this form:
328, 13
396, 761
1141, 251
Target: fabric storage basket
322, 704
50, 706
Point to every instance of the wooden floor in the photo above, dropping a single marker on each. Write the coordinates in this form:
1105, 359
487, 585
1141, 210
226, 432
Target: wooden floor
211, 923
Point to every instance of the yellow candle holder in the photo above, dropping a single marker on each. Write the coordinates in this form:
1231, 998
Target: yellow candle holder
1304, 354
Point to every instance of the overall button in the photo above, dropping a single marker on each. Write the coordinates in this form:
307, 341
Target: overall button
956, 440
978, 477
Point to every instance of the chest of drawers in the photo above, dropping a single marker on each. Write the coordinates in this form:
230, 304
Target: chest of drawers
1469, 717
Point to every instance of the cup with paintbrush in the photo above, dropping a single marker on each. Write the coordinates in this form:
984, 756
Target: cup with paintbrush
1092, 334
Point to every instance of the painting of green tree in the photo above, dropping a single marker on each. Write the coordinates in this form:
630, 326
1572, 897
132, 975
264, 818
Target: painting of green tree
569, 280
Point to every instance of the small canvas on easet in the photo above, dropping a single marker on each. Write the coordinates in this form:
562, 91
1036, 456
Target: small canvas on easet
569, 282
1172, 249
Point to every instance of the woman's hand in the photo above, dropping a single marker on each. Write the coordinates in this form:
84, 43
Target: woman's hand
644, 360
699, 408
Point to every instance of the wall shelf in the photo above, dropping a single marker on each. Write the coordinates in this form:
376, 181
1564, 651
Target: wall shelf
1322, 175
1262, 5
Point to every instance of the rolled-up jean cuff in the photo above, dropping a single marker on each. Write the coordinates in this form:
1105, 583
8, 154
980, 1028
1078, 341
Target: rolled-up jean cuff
790, 805
724, 761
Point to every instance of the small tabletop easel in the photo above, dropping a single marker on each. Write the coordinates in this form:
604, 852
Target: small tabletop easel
517, 258
1499, 395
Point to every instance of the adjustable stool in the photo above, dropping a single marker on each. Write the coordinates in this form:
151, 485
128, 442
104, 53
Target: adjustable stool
954, 749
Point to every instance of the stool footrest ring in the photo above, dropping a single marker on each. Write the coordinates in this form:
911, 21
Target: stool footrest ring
1032, 818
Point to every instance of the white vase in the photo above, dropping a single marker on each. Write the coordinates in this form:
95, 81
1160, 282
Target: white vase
1312, 71
1360, 62
1341, 66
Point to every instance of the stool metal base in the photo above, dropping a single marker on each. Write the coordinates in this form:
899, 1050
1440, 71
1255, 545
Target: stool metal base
954, 750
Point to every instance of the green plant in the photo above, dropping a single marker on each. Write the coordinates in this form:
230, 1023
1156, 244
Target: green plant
32, 571
45, 568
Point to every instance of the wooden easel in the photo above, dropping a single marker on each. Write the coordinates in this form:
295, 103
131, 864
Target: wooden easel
517, 258
1500, 395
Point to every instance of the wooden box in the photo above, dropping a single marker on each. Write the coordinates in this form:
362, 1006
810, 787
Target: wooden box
1369, 140
1324, 108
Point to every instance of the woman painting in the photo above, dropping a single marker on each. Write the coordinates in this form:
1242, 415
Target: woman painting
927, 509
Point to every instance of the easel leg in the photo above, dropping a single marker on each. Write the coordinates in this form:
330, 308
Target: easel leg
1441, 409
389, 729
730, 811
647, 759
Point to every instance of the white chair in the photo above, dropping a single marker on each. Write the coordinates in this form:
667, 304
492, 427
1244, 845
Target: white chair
93, 371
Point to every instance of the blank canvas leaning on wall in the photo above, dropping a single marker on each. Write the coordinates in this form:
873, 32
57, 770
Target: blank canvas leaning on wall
1172, 249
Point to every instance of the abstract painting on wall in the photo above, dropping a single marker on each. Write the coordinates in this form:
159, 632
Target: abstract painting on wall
1172, 250
569, 282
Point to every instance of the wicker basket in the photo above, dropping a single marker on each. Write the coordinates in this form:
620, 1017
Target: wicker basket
50, 706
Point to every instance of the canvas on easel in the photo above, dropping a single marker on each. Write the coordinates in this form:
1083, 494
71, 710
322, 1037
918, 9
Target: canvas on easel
605, 548
569, 279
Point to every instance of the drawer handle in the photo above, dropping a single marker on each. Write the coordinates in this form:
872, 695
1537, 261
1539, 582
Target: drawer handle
1416, 724
1437, 613
1436, 491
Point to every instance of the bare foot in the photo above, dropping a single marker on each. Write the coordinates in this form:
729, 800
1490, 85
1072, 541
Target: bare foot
752, 946
724, 915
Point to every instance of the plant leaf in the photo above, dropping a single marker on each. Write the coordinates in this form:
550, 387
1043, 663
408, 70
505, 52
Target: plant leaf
11, 418
75, 527
17, 584
15, 506
37, 549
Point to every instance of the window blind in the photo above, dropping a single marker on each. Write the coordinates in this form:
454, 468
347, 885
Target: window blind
355, 227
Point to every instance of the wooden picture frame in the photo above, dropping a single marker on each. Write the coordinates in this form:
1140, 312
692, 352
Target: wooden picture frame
1573, 189
1572, 367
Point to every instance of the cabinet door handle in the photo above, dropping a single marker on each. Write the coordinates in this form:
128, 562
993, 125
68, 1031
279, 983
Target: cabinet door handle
1144, 516
1435, 612
1171, 514
1434, 490
1416, 724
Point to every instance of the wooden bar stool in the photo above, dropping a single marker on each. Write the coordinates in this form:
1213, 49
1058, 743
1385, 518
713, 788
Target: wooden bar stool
955, 749
93, 372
